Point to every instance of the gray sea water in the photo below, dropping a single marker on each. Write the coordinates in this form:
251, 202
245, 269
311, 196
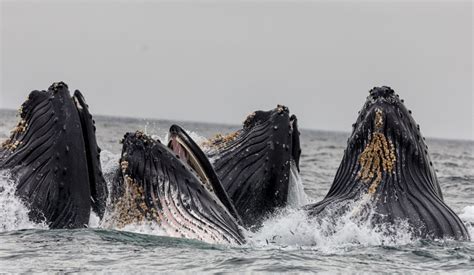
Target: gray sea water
288, 242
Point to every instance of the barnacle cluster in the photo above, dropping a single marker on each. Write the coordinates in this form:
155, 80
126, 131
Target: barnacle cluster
281, 108
248, 119
11, 143
219, 140
131, 207
124, 166
378, 156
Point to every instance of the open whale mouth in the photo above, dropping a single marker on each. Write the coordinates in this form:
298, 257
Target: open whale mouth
186, 149
192, 155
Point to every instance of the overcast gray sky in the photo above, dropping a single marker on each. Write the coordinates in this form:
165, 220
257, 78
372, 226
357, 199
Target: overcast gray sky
218, 61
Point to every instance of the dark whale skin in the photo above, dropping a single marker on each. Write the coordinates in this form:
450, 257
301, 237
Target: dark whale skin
47, 157
387, 159
254, 163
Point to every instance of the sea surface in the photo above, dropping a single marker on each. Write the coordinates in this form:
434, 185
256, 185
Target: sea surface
288, 242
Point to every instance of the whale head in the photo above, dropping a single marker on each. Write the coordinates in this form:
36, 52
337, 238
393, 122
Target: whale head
254, 163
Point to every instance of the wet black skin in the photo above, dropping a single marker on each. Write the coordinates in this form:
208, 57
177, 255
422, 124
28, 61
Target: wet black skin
56, 163
254, 167
410, 192
160, 173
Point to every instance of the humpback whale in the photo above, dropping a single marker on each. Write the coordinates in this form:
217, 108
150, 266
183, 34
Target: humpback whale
52, 155
174, 187
387, 164
254, 163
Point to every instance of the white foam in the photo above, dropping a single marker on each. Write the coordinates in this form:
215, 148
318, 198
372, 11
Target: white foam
293, 229
467, 215
150, 228
145, 227
94, 220
13, 212
196, 137
158, 137
109, 161
296, 194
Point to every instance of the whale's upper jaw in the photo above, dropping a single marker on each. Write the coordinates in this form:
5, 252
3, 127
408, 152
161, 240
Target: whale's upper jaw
254, 163
47, 155
396, 122
280, 124
278, 119
385, 120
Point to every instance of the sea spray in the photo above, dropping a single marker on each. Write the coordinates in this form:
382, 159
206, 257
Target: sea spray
296, 194
467, 216
292, 228
13, 212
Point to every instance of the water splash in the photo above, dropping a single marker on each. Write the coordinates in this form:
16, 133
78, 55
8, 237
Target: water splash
94, 220
467, 216
144, 227
109, 161
296, 194
149, 228
196, 137
293, 229
13, 212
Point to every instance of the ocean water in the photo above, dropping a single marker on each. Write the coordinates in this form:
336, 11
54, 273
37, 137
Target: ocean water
287, 242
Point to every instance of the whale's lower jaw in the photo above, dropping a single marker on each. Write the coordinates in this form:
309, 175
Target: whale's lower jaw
154, 185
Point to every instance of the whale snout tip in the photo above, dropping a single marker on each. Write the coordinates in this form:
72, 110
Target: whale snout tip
282, 109
176, 129
58, 86
384, 92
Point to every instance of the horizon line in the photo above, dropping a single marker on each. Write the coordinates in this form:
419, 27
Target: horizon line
238, 125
